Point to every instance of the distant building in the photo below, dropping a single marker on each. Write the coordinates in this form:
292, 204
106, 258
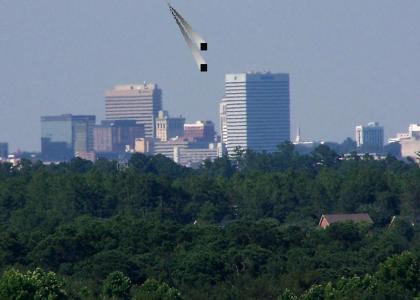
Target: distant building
414, 131
194, 157
63, 136
327, 220
223, 122
167, 148
86, 155
169, 127
145, 146
409, 141
410, 148
140, 102
305, 146
371, 137
200, 131
181, 151
4, 151
117, 136
255, 111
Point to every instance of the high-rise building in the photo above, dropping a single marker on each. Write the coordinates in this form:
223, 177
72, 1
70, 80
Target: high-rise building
135, 102
64, 136
4, 150
370, 137
255, 111
201, 131
169, 127
116, 136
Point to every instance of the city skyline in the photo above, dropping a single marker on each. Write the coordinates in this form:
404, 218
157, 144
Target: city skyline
349, 63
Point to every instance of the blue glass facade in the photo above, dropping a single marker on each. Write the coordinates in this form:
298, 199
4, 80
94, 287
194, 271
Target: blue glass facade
63, 136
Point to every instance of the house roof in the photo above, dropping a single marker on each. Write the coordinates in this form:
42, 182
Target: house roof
333, 218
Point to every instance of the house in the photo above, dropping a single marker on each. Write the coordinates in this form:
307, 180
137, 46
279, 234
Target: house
327, 220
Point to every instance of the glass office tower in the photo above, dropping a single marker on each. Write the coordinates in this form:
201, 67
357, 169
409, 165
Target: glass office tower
63, 136
255, 111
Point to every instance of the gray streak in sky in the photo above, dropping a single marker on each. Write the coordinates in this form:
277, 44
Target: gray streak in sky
190, 37
198, 40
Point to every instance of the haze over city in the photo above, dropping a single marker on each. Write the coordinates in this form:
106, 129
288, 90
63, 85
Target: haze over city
349, 62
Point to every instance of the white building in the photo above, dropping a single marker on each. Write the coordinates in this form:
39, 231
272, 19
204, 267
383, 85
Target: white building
409, 141
371, 136
140, 102
194, 157
255, 111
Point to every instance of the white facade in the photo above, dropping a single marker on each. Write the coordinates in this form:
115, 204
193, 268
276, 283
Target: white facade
255, 111
193, 157
410, 148
140, 102
410, 142
371, 135
414, 131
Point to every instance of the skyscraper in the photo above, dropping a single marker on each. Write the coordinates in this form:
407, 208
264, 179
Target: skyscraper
64, 136
255, 111
371, 137
135, 102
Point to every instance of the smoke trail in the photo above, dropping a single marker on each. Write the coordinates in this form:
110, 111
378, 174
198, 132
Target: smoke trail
198, 40
195, 52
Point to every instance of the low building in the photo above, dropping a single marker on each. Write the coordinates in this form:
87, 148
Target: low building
410, 142
91, 156
194, 157
327, 220
181, 151
410, 148
167, 148
144, 145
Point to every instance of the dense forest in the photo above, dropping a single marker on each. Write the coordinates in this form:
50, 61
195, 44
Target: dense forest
240, 228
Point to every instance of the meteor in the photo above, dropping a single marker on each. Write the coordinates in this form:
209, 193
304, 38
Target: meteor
194, 41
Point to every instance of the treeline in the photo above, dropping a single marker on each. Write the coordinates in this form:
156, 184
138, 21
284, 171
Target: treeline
242, 228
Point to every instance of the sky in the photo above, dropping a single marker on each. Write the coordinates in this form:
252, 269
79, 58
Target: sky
350, 62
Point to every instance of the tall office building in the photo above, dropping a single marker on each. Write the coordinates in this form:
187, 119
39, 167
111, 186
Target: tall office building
169, 127
255, 111
116, 136
64, 136
135, 102
370, 137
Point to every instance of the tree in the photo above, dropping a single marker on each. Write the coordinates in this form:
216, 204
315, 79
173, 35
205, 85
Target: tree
402, 270
152, 289
116, 286
32, 285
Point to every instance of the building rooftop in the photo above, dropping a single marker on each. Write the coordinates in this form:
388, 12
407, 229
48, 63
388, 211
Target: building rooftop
334, 218
129, 87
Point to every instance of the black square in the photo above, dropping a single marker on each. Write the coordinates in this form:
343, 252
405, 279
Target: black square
203, 67
203, 46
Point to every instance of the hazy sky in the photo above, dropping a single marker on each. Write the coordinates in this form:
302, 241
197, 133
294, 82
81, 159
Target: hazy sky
350, 61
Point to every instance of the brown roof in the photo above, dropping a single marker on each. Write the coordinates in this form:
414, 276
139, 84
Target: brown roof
333, 218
